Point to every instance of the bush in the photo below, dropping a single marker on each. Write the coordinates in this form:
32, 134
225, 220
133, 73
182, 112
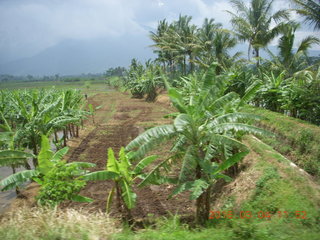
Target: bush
60, 184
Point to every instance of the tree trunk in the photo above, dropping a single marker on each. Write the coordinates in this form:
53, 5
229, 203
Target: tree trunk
70, 130
55, 136
35, 152
65, 137
202, 202
13, 172
256, 50
191, 63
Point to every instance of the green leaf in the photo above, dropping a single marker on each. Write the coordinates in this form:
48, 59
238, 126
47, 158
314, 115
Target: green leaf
8, 157
241, 127
250, 92
182, 122
6, 137
45, 156
149, 139
82, 199
100, 175
17, 179
222, 101
91, 108
81, 164
209, 76
124, 165
60, 154
231, 161
112, 164
181, 188
109, 200
128, 195
177, 100
144, 163
234, 117
154, 175
198, 187
189, 163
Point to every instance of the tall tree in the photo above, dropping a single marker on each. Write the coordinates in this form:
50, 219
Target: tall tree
288, 59
310, 10
253, 23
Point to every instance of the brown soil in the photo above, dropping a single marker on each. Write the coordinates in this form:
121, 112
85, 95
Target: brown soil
117, 122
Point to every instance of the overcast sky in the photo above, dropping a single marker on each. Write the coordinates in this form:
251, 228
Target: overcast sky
29, 26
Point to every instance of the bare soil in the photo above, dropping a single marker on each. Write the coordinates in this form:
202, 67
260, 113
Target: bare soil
117, 122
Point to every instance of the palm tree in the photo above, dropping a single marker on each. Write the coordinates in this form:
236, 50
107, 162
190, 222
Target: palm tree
310, 10
177, 42
206, 35
222, 42
253, 23
215, 43
289, 60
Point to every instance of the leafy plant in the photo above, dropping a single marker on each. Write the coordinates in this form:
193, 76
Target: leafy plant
123, 175
206, 135
62, 182
48, 167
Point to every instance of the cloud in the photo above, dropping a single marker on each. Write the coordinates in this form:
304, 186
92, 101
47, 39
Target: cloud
30, 26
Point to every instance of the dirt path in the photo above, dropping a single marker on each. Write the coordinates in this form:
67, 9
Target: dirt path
119, 121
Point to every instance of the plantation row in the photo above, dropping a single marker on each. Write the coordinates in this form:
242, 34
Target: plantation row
206, 145
26, 115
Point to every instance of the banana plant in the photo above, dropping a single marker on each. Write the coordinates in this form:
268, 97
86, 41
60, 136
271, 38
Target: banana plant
123, 175
32, 113
47, 161
206, 136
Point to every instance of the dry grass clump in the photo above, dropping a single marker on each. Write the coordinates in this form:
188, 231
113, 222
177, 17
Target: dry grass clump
40, 223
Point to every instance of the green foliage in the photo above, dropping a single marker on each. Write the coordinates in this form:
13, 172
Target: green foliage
142, 80
301, 145
206, 136
59, 184
59, 181
123, 174
13, 157
25, 115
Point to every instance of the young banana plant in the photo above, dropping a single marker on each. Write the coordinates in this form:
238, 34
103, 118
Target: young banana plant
47, 160
123, 175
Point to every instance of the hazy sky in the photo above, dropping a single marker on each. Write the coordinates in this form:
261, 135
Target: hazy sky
29, 26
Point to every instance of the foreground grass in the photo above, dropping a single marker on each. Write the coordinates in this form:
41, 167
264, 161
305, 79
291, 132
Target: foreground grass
37, 223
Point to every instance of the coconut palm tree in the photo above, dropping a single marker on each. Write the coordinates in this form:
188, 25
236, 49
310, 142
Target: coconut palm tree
310, 10
288, 59
214, 44
253, 23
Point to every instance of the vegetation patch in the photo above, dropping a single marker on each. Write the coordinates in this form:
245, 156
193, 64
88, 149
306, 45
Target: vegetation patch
296, 139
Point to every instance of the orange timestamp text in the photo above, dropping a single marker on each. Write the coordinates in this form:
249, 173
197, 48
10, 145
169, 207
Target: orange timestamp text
257, 215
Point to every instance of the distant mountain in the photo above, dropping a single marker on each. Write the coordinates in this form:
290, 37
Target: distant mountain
72, 57
86, 56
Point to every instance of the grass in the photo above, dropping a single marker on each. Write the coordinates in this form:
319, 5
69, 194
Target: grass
279, 189
46, 224
296, 139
